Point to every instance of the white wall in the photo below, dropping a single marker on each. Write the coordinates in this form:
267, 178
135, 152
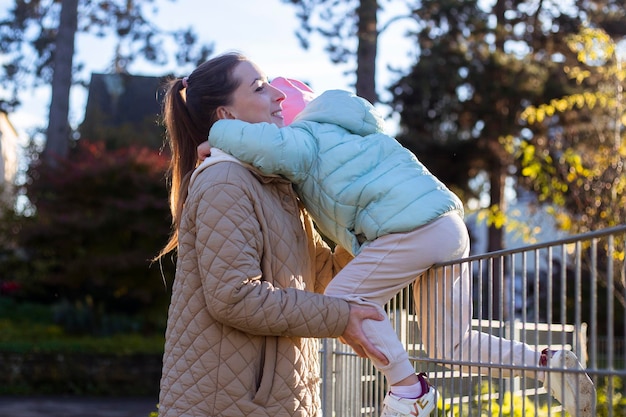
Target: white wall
8, 158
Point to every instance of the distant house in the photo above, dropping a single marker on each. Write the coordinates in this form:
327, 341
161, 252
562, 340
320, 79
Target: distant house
123, 109
8, 159
523, 209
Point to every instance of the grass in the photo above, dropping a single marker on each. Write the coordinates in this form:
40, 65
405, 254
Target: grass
49, 339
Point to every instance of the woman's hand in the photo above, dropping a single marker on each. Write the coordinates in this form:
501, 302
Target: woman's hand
354, 336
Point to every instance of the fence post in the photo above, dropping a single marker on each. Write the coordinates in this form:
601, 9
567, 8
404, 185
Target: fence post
327, 377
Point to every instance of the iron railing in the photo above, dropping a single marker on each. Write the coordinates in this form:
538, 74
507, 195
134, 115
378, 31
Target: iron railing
565, 294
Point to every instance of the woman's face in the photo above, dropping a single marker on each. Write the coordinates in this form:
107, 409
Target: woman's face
255, 100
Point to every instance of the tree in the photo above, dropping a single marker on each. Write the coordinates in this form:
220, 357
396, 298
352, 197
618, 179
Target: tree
49, 28
479, 68
58, 132
351, 29
575, 160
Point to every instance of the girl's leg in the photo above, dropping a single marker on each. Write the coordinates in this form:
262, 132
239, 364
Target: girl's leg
386, 266
444, 310
370, 279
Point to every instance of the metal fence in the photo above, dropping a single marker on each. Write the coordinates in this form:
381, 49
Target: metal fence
566, 294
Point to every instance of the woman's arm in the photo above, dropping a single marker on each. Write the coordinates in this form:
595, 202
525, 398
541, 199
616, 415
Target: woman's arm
229, 242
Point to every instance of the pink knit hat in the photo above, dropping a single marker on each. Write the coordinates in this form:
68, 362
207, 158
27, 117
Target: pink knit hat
298, 95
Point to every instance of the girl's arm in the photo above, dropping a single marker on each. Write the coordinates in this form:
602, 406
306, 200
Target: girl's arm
204, 150
286, 151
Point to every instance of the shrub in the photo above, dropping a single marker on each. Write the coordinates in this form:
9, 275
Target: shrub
96, 220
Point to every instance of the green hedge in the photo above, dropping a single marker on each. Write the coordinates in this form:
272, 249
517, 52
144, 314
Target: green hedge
39, 357
54, 373
48, 338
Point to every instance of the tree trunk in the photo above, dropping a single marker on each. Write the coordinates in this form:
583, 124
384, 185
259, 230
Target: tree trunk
58, 133
497, 178
367, 32
495, 242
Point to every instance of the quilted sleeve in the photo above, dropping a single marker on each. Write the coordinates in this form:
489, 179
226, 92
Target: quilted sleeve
228, 244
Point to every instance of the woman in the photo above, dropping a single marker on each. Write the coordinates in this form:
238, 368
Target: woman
243, 310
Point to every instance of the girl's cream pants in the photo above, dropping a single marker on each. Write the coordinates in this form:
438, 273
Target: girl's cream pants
443, 303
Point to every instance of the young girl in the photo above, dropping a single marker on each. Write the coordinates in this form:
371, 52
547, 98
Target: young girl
369, 194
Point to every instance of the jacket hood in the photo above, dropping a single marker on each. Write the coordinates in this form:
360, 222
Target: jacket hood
297, 96
345, 109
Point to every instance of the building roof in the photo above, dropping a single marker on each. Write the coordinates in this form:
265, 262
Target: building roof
126, 104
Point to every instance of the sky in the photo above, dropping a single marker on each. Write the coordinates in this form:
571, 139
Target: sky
262, 30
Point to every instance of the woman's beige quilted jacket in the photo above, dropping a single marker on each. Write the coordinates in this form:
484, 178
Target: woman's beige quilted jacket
239, 339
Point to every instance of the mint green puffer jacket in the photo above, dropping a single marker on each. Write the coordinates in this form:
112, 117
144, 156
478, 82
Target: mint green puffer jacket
356, 182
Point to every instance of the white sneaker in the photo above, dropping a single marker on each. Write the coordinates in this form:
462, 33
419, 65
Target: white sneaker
575, 391
394, 406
